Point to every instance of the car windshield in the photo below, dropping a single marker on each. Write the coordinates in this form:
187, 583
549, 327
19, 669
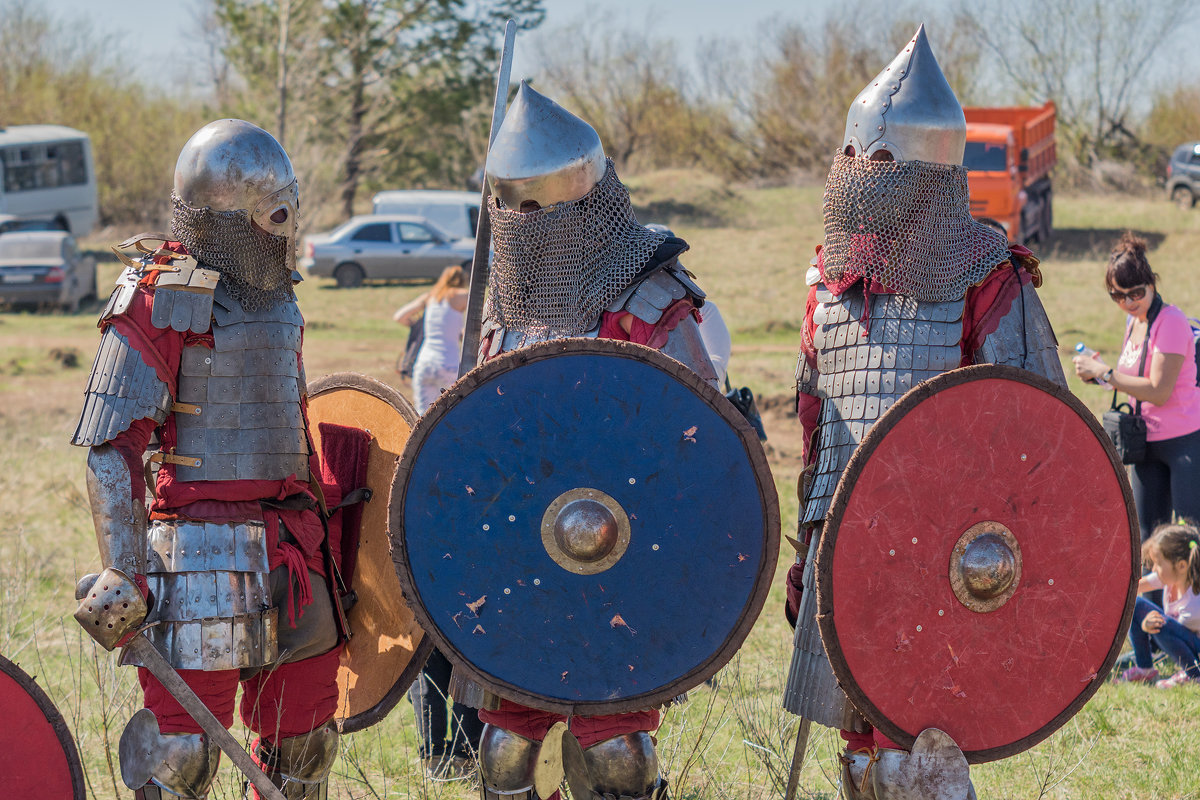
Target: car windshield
24, 247
986, 157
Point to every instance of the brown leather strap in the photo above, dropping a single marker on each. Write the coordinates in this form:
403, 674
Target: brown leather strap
185, 408
170, 458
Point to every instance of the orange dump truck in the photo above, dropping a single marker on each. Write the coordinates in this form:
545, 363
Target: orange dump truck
1010, 152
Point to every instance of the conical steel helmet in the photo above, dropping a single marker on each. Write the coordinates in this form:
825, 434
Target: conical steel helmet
543, 153
908, 110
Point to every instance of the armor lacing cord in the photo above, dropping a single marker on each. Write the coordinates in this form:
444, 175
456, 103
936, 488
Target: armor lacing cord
872, 754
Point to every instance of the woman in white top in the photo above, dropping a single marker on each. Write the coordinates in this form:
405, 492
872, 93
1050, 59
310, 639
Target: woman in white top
446, 756
444, 307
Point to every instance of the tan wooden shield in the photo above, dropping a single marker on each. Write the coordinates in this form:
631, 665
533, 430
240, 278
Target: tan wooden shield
387, 648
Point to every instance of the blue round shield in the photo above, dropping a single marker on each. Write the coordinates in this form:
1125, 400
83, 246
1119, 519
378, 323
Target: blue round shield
585, 526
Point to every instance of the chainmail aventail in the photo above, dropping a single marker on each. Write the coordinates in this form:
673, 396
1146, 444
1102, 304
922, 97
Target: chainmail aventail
908, 225
255, 266
557, 268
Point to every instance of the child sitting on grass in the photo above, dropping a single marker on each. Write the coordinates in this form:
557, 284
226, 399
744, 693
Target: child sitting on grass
1172, 551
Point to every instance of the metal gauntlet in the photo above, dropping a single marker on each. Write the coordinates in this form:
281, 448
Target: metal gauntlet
111, 604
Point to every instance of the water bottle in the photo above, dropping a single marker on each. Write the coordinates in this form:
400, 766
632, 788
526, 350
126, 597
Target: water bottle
1083, 350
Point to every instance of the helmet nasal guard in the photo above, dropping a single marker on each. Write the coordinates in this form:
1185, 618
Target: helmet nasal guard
543, 153
909, 110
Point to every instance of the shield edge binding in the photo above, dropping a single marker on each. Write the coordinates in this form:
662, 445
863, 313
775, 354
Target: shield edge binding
59, 725
841, 498
375, 388
768, 497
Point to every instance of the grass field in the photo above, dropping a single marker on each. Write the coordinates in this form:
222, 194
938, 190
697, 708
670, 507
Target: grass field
750, 249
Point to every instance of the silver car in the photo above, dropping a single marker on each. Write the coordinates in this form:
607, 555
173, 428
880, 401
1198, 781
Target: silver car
383, 247
45, 268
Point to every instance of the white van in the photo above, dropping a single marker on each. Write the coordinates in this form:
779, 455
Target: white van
46, 172
457, 213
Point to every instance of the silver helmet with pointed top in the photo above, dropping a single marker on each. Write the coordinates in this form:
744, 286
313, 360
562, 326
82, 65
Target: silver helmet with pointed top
543, 153
909, 110
235, 207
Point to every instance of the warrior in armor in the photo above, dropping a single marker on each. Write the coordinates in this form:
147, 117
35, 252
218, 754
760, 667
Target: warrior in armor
200, 354
906, 286
571, 260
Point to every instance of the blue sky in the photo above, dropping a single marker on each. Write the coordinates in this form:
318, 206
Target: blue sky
157, 46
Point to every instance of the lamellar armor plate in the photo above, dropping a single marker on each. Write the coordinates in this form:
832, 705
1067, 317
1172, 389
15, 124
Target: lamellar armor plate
212, 604
238, 407
863, 370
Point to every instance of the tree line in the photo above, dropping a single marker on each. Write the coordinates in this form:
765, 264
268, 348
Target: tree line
371, 94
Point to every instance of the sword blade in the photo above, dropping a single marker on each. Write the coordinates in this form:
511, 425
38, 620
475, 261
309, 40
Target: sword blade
483, 232
151, 659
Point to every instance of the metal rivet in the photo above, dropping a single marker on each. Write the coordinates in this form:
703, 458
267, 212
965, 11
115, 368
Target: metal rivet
891, 552
941, 612
653, 547
1023, 456
512, 518
632, 481
914, 540
487, 527
507, 590
918, 629
1051, 581
537, 581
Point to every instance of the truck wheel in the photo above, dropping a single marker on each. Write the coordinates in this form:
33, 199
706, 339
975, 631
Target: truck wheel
349, 275
1183, 197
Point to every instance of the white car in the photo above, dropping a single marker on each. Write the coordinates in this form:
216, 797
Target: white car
384, 247
45, 268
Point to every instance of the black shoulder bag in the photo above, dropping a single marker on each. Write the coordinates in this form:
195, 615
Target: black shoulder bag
1126, 426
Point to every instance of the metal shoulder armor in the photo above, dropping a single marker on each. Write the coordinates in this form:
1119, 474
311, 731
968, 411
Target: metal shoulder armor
122, 388
183, 290
1024, 339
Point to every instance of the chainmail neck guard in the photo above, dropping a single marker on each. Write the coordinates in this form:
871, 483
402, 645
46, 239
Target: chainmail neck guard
557, 268
908, 225
255, 266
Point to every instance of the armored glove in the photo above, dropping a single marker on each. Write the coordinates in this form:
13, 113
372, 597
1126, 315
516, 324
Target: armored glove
111, 606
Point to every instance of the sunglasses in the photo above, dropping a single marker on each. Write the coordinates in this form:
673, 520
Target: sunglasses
1136, 293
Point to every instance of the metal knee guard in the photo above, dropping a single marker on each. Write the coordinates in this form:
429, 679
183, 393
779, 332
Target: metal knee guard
935, 769
625, 767
506, 763
182, 764
300, 765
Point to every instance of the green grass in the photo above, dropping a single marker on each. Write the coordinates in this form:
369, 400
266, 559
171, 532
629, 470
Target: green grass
750, 250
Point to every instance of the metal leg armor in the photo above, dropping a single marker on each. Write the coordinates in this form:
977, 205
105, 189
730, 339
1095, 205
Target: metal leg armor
300, 765
935, 770
163, 765
506, 764
624, 767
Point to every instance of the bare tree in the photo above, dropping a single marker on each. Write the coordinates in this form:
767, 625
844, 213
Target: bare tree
1091, 57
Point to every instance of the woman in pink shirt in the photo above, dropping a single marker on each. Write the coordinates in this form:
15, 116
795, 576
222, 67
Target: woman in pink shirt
1167, 483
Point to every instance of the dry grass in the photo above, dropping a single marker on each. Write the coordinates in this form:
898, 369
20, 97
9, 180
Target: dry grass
733, 742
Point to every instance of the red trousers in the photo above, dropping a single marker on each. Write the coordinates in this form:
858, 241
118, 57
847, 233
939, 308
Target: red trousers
279, 702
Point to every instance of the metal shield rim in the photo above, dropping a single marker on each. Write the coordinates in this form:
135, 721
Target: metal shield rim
376, 388
59, 725
826, 619
768, 497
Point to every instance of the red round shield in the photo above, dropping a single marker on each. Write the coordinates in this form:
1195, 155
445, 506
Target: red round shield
979, 562
37, 754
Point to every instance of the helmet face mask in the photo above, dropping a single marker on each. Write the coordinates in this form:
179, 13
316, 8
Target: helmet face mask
278, 212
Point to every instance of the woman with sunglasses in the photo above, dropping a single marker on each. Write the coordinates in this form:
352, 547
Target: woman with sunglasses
1165, 483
